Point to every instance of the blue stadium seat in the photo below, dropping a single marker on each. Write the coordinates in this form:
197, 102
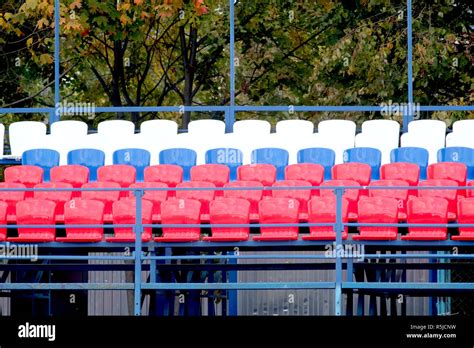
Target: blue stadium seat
90, 158
185, 158
322, 156
138, 158
416, 155
459, 154
232, 158
274, 156
44, 158
367, 155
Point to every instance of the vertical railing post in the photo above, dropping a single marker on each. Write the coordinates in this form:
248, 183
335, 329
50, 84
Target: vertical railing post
230, 115
57, 48
138, 229
408, 117
339, 228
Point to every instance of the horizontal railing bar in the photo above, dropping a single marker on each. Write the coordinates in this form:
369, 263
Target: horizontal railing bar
241, 108
238, 286
66, 286
253, 188
256, 225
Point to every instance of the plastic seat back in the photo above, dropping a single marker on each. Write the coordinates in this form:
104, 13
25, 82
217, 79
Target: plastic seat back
381, 210
185, 158
302, 196
415, 155
449, 195
203, 196
313, 173
466, 216
218, 174
278, 211
168, 174
58, 197
122, 174
26, 175
180, 211
274, 156
3, 220
427, 210
90, 158
138, 158
408, 172
124, 212
73, 174
107, 197
35, 212
252, 196
232, 158
263, 173
367, 155
83, 212
358, 172
43, 158
323, 210
11, 198
229, 211
322, 156
155, 197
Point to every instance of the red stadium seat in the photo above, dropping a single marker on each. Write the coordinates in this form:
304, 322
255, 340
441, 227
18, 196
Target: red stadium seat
180, 211
218, 174
427, 210
229, 211
352, 195
73, 174
359, 172
83, 212
278, 211
58, 197
465, 216
3, 220
382, 210
253, 196
122, 174
314, 173
11, 198
302, 196
106, 197
124, 212
323, 210
155, 197
448, 170
408, 172
264, 173
203, 196
400, 195
26, 175
35, 212
450, 195
169, 174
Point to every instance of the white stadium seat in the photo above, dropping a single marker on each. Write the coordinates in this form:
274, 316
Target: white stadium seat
25, 135
160, 128
69, 128
206, 127
463, 127
338, 135
295, 128
377, 141
116, 128
252, 127
432, 145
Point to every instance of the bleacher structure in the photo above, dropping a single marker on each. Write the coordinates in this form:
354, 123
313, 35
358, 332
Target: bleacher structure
206, 201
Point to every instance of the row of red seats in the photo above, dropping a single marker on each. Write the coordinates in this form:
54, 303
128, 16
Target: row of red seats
381, 210
218, 174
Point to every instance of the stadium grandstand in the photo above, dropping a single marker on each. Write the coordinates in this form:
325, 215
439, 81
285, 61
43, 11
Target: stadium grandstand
195, 209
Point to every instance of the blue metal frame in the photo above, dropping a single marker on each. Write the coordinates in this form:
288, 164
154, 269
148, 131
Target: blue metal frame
340, 286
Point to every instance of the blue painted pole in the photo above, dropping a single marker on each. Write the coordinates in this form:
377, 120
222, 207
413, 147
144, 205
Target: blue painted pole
57, 49
339, 227
409, 117
138, 251
230, 115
